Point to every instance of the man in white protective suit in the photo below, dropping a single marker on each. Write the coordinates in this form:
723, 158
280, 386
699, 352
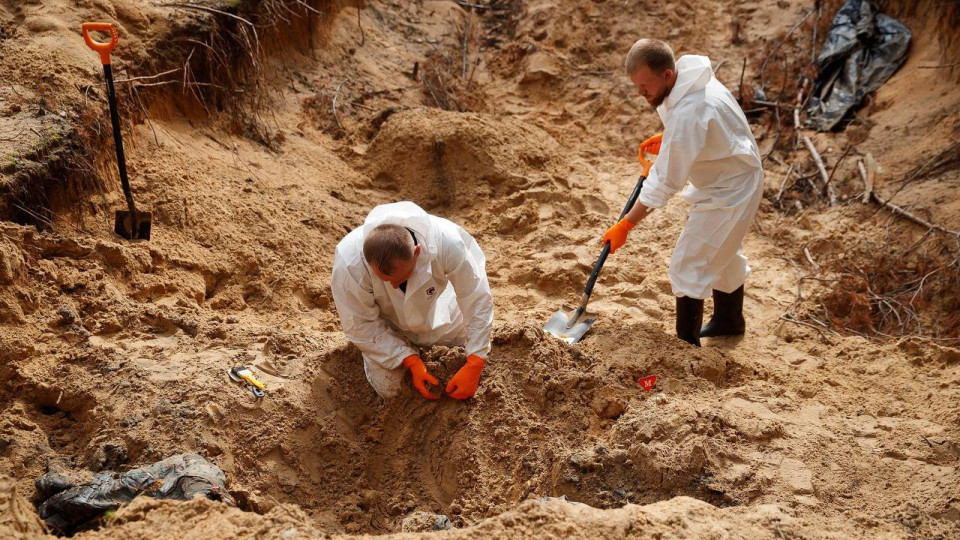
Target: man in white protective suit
405, 279
706, 139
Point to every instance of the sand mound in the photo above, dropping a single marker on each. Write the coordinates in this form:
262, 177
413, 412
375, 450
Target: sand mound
446, 159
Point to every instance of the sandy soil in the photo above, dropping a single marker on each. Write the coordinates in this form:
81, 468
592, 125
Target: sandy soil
114, 354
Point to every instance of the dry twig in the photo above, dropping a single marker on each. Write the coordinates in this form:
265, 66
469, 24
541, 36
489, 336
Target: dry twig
334, 105
360, 26
790, 318
839, 161
466, 42
827, 188
899, 210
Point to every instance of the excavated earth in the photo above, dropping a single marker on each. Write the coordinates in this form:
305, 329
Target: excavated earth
258, 139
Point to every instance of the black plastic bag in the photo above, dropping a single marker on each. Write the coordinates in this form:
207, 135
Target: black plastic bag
180, 477
862, 50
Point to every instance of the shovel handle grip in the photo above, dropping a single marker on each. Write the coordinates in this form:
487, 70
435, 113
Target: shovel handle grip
644, 164
102, 47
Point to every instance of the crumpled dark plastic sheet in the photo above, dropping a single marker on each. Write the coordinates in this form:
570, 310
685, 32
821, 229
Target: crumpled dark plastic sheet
861, 52
180, 477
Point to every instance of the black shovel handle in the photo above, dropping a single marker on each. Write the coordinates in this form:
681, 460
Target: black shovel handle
104, 49
118, 142
606, 247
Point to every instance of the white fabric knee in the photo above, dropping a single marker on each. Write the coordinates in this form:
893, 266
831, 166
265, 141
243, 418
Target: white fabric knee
386, 382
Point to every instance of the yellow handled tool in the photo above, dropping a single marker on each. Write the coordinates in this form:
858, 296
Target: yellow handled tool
245, 374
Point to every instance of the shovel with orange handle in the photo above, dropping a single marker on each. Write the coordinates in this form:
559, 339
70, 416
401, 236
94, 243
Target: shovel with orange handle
129, 223
571, 325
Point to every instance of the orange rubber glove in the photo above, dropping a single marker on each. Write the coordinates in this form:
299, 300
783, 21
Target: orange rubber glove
464, 384
420, 375
652, 145
617, 235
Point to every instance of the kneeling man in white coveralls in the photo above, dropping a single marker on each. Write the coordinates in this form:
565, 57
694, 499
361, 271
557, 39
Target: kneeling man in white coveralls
405, 279
706, 139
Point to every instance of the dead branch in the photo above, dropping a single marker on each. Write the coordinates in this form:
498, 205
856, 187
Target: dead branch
938, 160
743, 70
912, 217
790, 318
839, 161
828, 189
463, 4
768, 104
868, 173
783, 183
867, 181
360, 26
940, 66
15, 137
212, 10
796, 114
34, 215
472, 72
303, 4
466, 42
813, 263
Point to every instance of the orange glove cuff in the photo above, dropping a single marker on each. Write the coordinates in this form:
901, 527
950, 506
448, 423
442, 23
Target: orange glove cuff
617, 235
412, 360
475, 360
464, 383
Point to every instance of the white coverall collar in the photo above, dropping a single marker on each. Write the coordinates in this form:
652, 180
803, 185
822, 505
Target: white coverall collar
408, 215
693, 73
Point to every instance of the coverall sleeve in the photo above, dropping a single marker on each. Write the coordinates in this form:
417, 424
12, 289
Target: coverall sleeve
362, 324
683, 139
467, 274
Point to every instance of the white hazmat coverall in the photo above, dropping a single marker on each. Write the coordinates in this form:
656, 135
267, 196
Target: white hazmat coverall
707, 139
447, 299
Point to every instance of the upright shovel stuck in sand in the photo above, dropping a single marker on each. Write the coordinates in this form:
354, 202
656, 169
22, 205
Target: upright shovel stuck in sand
568, 325
130, 223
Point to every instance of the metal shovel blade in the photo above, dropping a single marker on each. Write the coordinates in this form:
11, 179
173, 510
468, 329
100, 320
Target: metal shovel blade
123, 226
562, 327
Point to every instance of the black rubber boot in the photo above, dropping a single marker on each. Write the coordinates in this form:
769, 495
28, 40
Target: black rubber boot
689, 319
727, 317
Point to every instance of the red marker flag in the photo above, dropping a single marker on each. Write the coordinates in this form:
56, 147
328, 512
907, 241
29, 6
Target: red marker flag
647, 382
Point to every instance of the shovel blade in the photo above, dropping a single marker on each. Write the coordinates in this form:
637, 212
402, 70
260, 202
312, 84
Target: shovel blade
123, 225
562, 327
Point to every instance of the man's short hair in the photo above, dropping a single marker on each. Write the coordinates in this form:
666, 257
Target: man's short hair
653, 53
387, 244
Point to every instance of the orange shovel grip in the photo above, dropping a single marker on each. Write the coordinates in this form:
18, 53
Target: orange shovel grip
644, 163
101, 47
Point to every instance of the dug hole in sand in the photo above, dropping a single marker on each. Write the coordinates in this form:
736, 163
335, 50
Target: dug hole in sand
261, 151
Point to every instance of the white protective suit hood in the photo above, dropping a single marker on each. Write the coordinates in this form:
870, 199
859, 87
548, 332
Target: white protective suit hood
693, 74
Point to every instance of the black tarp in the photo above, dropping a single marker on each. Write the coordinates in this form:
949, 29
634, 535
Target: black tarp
862, 50
69, 506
